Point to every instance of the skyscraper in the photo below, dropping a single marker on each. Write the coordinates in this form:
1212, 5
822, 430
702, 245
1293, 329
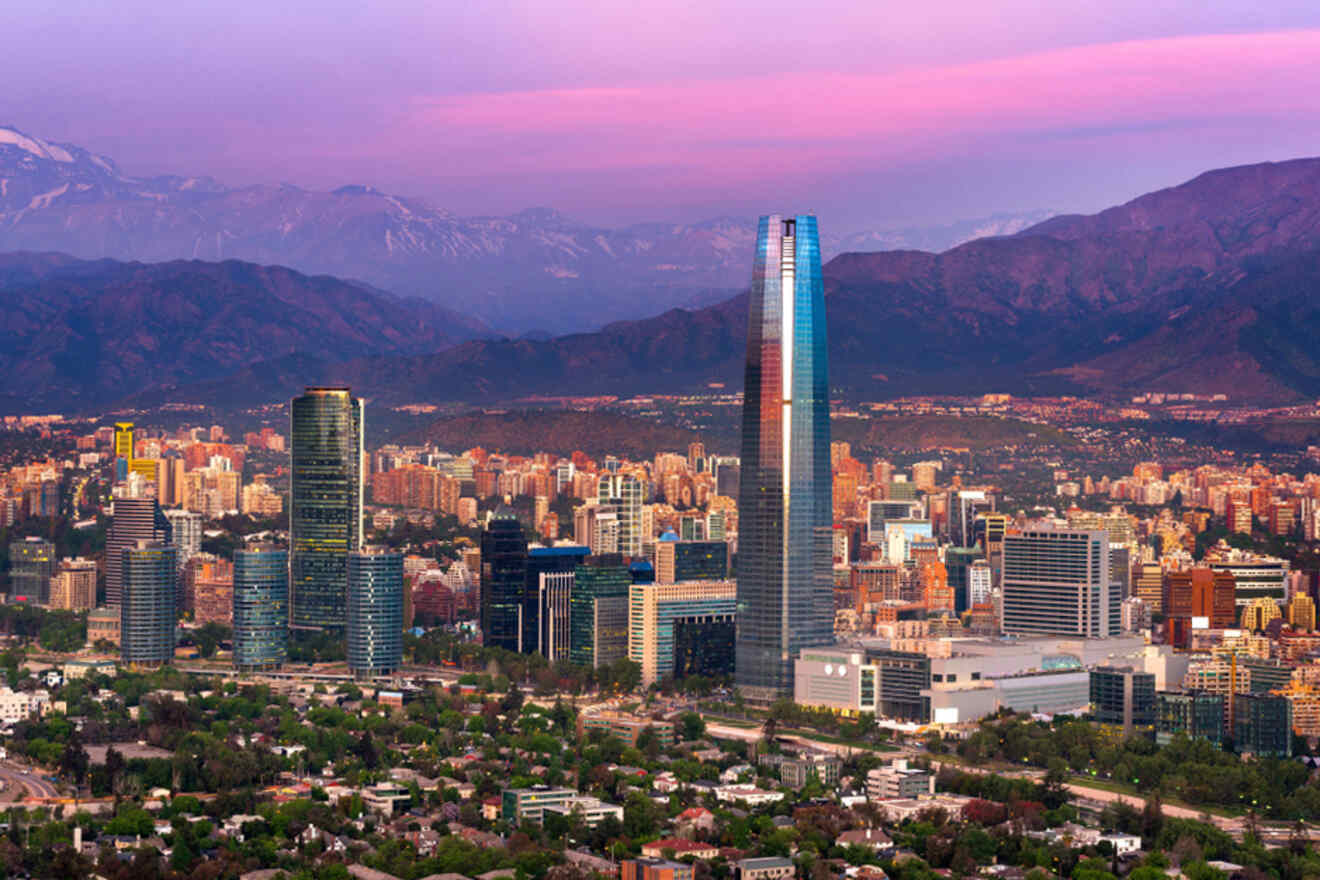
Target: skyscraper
785, 600
134, 520
503, 581
1058, 582
375, 612
261, 607
325, 510
31, 566
621, 495
147, 610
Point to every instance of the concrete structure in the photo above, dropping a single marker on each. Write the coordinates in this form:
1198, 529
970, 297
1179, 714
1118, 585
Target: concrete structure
898, 780
1058, 581
73, 588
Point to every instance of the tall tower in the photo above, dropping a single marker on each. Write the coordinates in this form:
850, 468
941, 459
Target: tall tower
785, 599
503, 582
261, 612
325, 509
621, 494
375, 612
134, 520
147, 611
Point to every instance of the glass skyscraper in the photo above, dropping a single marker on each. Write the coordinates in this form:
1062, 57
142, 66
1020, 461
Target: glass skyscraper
375, 613
325, 509
785, 598
261, 608
503, 581
134, 520
147, 609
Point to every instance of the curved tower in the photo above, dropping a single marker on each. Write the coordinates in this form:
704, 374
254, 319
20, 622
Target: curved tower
785, 596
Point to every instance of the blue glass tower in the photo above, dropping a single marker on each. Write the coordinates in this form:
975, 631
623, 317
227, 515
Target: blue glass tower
375, 613
785, 598
261, 608
147, 610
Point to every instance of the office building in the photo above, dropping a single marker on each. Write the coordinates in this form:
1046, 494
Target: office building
187, 533
147, 607
1262, 725
545, 598
1194, 714
1058, 582
1255, 577
521, 804
503, 581
880, 512
325, 509
628, 728
1148, 585
903, 680
693, 612
834, 679
375, 612
73, 588
31, 566
1124, 699
677, 561
261, 608
964, 505
619, 503
598, 611
1301, 612
898, 780
785, 594
134, 520
958, 563
123, 442
1197, 599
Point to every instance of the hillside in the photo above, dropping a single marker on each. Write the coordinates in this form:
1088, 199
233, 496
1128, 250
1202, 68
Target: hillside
523, 432
78, 334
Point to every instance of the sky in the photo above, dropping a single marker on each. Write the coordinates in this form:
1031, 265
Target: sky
872, 114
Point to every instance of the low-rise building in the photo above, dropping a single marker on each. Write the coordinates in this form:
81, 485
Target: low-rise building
768, 868
626, 727
679, 848
529, 803
898, 780
748, 794
591, 809
654, 869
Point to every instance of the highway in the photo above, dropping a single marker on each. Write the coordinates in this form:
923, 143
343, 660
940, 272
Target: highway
31, 784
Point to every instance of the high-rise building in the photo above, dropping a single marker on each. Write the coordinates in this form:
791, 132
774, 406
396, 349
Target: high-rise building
663, 618
123, 440
375, 612
964, 504
1197, 598
545, 598
31, 566
1124, 699
325, 509
503, 581
1148, 585
1194, 714
785, 515
147, 609
187, 527
73, 588
261, 607
621, 495
134, 520
1301, 612
1058, 582
677, 561
958, 564
598, 611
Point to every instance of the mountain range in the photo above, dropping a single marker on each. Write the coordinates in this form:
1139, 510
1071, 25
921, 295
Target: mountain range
537, 272
1206, 287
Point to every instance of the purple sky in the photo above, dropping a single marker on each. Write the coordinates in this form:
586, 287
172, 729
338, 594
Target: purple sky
872, 114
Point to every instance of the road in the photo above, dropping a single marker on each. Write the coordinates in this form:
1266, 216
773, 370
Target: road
31, 784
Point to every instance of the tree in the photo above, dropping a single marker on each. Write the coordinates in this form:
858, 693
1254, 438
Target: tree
209, 636
74, 761
692, 726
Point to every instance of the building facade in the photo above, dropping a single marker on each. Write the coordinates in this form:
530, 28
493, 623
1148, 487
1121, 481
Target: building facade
598, 611
147, 608
503, 581
325, 504
1058, 582
261, 608
375, 613
31, 567
785, 510
657, 611
134, 520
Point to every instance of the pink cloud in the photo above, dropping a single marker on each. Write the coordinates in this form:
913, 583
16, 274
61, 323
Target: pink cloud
778, 123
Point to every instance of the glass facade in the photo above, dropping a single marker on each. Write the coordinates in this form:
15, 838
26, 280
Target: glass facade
375, 613
621, 495
325, 509
598, 612
31, 566
503, 581
134, 520
261, 608
785, 599
543, 600
703, 646
147, 609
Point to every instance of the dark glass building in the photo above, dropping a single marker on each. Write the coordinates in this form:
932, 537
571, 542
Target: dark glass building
785, 598
958, 562
598, 611
1194, 714
1262, 725
325, 509
32, 564
261, 608
703, 646
147, 609
503, 581
1124, 699
546, 598
134, 520
902, 676
375, 613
